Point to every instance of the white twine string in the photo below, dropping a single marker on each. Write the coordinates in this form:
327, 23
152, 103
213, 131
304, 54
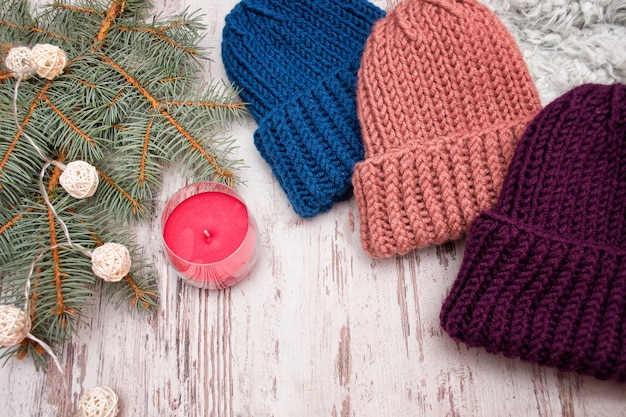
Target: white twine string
70, 243
21, 131
112, 262
44, 194
27, 289
49, 161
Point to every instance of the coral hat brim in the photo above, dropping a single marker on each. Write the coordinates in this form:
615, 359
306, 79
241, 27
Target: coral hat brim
429, 192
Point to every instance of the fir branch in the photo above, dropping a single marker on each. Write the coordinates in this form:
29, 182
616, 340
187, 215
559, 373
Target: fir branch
130, 102
135, 290
144, 153
16, 168
69, 123
195, 145
7, 225
161, 36
137, 208
80, 10
16, 21
132, 81
115, 9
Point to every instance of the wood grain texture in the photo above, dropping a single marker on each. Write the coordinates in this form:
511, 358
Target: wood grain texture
318, 328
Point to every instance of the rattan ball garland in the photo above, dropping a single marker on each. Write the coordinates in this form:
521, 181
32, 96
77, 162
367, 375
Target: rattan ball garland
18, 61
79, 179
14, 326
98, 402
110, 261
48, 60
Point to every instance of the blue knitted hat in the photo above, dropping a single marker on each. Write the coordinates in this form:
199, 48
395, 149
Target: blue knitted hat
296, 62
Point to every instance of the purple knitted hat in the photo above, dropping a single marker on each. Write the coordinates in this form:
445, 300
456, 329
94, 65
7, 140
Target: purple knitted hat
543, 276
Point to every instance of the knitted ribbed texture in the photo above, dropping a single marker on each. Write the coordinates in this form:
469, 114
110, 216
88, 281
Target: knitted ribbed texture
543, 276
296, 64
443, 97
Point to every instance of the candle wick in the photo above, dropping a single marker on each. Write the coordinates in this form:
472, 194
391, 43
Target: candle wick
206, 233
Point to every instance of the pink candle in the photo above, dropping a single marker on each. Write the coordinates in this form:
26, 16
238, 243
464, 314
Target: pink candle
209, 235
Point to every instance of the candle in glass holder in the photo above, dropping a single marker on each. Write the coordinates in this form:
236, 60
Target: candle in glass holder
210, 236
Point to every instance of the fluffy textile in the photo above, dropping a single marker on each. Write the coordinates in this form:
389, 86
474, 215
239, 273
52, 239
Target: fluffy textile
567, 43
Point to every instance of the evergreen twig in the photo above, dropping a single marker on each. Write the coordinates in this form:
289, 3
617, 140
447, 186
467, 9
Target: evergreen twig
129, 102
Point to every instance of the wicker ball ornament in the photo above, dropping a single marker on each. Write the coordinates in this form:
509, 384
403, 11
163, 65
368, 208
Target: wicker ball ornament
14, 325
18, 61
79, 179
110, 261
98, 402
48, 60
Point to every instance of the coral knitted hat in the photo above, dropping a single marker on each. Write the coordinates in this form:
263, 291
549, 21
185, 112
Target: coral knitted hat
296, 64
543, 276
443, 97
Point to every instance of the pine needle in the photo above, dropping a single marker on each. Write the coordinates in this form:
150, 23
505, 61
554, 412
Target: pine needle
130, 102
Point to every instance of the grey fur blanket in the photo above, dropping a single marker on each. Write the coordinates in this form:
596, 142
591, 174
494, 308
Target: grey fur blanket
567, 43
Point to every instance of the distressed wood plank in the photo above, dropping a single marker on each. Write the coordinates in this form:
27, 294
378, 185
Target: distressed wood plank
318, 329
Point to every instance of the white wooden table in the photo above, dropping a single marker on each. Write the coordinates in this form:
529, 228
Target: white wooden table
317, 329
